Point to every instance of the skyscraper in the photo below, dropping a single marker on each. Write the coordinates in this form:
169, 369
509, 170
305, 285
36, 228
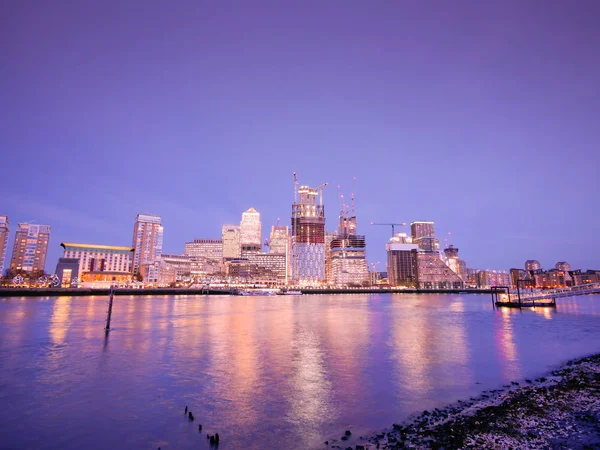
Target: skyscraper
348, 252
30, 248
251, 232
147, 240
4, 231
231, 241
308, 236
401, 261
423, 234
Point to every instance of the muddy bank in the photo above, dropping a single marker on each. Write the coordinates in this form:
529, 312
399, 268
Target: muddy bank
561, 410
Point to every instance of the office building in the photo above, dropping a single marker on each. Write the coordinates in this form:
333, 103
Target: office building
100, 263
30, 248
250, 232
158, 272
181, 263
308, 236
205, 248
348, 255
4, 232
147, 240
231, 241
401, 262
423, 234
279, 243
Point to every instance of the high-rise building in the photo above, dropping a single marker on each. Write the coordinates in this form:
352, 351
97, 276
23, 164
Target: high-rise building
147, 240
250, 232
231, 241
279, 239
279, 243
401, 262
4, 231
308, 236
348, 255
423, 234
30, 248
205, 248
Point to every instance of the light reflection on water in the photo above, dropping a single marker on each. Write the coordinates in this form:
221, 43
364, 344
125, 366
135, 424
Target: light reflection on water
264, 372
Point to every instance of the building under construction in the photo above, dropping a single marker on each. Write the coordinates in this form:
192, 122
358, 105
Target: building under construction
308, 234
348, 252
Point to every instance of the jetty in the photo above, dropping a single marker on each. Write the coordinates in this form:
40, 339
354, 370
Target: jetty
502, 295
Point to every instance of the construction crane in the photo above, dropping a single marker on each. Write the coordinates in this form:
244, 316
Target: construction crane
320, 189
393, 225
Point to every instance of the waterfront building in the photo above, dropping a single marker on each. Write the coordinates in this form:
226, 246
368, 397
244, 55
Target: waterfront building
433, 273
532, 265
100, 262
348, 255
4, 232
279, 243
264, 268
489, 278
181, 263
147, 240
205, 248
250, 232
423, 234
67, 270
517, 274
231, 241
457, 265
30, 248
329, 237
308, 236
401, 262
158, 272
565, 267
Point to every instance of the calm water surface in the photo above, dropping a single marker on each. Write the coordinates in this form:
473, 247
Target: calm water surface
264, 372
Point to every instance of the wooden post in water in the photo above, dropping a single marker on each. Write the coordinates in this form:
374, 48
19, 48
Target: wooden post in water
110, 304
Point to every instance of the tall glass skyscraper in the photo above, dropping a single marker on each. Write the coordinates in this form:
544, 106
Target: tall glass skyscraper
251, 232
147, 240
308, 237
231, 241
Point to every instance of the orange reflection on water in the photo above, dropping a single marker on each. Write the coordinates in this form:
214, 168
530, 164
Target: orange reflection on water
233, 349
506, 344
59, 322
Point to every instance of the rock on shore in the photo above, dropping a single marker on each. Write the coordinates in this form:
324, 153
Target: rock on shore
560, 411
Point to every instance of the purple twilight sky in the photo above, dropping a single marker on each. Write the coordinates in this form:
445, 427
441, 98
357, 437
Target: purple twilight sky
481, 116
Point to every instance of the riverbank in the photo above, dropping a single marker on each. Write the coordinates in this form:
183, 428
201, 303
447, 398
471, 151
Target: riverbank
83, 292
561, 410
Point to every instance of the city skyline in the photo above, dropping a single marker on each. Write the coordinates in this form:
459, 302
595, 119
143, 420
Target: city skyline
214, 115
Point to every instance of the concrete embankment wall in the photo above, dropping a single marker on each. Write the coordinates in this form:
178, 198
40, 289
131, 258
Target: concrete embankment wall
55, 292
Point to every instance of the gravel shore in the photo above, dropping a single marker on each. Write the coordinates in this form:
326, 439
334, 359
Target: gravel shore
561, 410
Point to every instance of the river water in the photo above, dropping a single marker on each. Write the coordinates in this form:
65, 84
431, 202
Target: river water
283, 372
